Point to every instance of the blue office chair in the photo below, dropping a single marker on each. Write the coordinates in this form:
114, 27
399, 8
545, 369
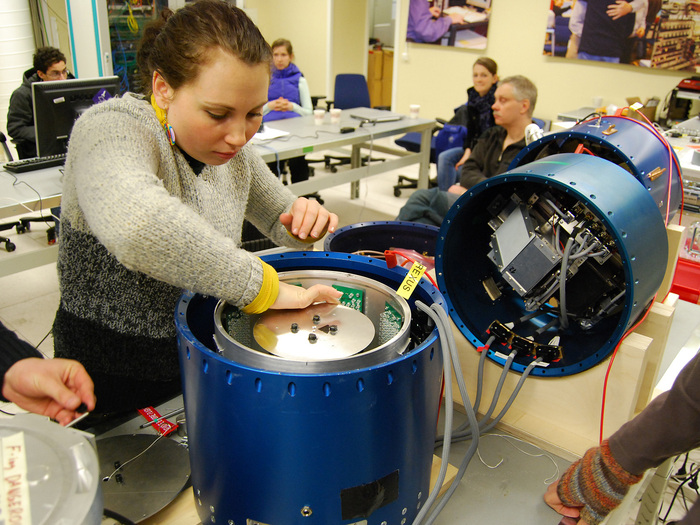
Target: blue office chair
559, 37
350, 91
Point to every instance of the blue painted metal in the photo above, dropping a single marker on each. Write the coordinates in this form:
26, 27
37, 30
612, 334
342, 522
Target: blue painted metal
623, 141
623, 206
381, 235
265, 445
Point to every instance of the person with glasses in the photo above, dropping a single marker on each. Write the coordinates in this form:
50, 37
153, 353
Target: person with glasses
49, 65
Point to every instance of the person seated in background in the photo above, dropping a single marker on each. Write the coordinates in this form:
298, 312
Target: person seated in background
49, 64
288, 97
476, 115
516, 97
595, 484
56, 388
427, 24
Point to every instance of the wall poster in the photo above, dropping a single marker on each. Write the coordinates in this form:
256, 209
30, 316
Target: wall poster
456, 23
646, 33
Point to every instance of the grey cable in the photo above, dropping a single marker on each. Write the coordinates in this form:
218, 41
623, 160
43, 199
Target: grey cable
564, 321
462, 430
442, 316
447, 365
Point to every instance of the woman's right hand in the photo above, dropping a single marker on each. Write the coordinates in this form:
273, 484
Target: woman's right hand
296, 297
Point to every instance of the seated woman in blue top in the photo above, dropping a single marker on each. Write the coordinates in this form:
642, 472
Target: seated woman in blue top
288, 97
476, 115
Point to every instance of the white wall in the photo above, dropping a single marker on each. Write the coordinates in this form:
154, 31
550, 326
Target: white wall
305, 24
437, 78
16, 51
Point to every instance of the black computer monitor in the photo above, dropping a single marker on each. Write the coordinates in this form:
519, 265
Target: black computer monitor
58, 103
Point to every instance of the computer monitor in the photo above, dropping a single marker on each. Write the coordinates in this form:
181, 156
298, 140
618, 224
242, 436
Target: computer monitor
57, 105
482, 4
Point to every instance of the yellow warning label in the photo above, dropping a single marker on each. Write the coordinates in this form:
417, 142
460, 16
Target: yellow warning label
411, 281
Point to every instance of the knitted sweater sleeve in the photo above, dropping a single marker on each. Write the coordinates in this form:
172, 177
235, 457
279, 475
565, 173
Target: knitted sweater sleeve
119, 187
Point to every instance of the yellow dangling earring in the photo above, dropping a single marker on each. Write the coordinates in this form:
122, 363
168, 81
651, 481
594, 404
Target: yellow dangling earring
163, 119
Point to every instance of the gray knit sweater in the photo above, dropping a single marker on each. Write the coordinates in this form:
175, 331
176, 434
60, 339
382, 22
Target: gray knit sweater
138, 226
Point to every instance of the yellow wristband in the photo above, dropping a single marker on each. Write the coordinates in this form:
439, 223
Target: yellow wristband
269, 291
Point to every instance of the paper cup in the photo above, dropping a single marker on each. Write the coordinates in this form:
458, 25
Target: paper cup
335, 115
318, 116
414, 110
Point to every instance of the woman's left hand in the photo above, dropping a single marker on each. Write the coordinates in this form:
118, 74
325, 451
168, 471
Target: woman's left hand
308, 218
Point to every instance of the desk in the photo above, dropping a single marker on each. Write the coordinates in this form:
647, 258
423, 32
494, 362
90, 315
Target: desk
305, 137
455, 28
33, 190
511, 493
21, 194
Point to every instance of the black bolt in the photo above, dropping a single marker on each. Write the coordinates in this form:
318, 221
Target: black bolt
312, 338
295, 328
317, 319
334, 329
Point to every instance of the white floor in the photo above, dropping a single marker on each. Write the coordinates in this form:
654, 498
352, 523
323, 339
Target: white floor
29, 299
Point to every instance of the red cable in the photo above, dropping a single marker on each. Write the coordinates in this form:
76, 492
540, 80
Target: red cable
672, 160
408, 259
610, 363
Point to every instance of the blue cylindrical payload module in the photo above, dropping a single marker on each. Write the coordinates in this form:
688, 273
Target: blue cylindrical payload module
341, 441
554, 259
381, 235
636, 147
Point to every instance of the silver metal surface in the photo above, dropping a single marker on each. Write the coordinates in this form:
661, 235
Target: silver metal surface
321, 332
147, 483
378, 320
61, 471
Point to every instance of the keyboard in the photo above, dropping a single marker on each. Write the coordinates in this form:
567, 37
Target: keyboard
35, 163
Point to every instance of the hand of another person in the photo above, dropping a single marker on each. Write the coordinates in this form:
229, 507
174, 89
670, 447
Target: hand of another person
619, 9
308, 217
457, 18
571, 514
435, 11
280, 104
50, 387
456, 189
296, 297
465, 157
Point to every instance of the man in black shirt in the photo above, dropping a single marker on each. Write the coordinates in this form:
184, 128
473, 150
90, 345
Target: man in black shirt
49, 64
495, 149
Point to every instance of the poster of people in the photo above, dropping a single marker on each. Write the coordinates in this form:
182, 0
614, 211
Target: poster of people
456, 23
645, 33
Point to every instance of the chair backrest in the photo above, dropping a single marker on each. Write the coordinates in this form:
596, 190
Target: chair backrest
351, 91
5, 154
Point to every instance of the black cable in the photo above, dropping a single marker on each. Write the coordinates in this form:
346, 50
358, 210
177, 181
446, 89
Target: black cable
675, 494
107, 513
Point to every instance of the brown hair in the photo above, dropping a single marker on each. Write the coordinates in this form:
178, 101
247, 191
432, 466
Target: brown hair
282, 42
488, 63
45, 57
177, 44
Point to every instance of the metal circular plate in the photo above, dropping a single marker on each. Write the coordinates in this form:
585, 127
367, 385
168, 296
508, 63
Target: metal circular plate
321, 332
154, 470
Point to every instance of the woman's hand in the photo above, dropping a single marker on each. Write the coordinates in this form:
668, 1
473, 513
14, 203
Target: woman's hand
467, 154
308, 217
296, 297
280, 104
571, 514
